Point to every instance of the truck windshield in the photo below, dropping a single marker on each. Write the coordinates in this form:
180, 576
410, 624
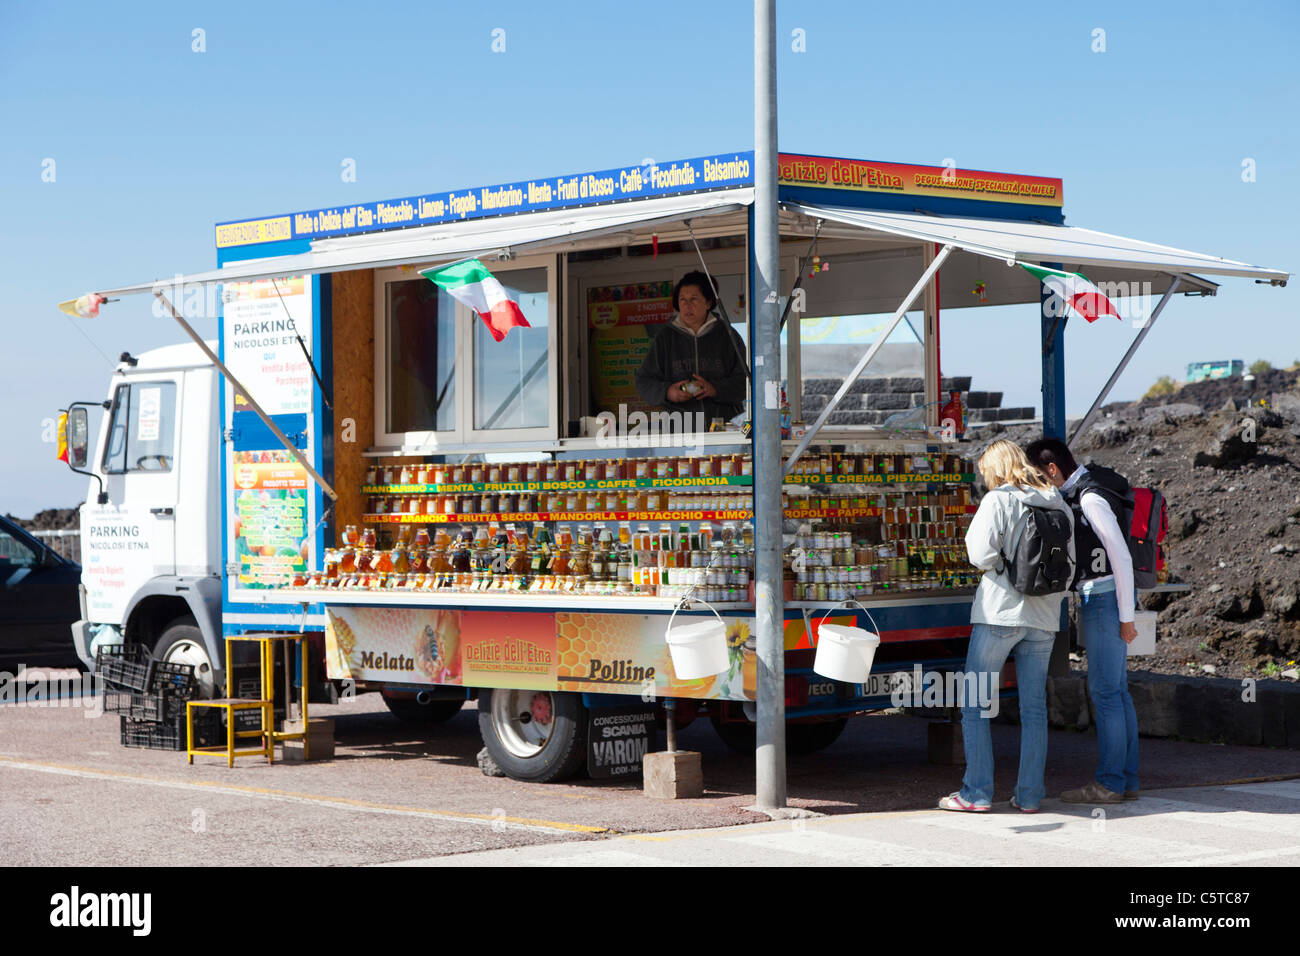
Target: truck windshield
142, 430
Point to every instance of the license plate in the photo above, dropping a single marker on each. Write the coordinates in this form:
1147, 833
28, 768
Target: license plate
884, 685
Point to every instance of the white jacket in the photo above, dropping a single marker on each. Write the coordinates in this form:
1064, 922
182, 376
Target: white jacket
996, 601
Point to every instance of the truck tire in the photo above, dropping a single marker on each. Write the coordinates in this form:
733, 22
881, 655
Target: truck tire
534, 735
799, 738
182, 643
410, 711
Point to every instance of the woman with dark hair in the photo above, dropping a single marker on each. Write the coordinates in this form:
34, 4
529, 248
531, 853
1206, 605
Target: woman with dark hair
695, 363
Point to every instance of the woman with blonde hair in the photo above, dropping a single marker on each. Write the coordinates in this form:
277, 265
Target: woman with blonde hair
1004, 621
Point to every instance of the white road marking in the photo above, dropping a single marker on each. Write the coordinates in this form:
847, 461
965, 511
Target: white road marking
1188, 812
820, 846
1049, 830
1231, 858
1290, 789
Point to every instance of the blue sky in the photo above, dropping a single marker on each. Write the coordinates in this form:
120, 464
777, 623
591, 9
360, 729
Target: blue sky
153, 143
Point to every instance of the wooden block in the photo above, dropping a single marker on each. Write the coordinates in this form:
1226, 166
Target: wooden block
673, 776
943, 740
322, 748
320, 733
317, 727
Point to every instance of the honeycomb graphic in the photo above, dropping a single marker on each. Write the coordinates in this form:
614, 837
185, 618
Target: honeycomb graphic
580, 638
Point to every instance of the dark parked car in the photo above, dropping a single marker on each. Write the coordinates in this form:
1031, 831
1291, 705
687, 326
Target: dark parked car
38, 602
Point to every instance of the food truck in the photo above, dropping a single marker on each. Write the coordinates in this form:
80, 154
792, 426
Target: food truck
456, 516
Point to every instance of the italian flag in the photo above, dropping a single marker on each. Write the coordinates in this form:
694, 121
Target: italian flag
1075, 291
471, 284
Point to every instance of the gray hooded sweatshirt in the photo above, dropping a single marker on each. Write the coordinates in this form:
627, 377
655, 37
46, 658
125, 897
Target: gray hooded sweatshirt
988, 539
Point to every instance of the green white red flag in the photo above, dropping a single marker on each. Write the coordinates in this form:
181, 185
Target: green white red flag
1075, 290
470, 283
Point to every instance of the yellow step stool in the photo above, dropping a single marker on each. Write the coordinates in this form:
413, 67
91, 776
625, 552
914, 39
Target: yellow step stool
267, 734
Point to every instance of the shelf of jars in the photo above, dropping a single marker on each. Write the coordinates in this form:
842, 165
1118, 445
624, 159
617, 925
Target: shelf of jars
734, 470
886, 526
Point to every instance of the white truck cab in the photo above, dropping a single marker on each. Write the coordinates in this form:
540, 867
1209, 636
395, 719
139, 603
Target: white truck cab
150, 526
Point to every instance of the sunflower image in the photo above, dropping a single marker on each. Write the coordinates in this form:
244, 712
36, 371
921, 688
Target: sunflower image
737, 636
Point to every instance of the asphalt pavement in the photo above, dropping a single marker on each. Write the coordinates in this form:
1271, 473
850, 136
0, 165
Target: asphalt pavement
70, 794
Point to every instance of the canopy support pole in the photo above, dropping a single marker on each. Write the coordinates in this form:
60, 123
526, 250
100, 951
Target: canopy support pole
863, 362
1123, 363
769, 604
243, 393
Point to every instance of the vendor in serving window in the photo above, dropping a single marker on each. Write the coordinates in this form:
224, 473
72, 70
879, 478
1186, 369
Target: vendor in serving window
696, 362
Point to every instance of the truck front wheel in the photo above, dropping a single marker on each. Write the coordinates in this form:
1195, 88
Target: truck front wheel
534, 735
182, 643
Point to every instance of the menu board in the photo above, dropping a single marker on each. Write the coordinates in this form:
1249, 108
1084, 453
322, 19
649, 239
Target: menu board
263, 321
270, 520
620, 318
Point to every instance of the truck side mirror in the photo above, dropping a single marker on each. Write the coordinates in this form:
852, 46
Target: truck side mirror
77, 436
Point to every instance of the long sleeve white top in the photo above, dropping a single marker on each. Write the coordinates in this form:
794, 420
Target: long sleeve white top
1097, 513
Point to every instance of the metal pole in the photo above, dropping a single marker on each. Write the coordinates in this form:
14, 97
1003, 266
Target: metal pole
243, 393
1123, 363
863, 362
769, 755
1052, 320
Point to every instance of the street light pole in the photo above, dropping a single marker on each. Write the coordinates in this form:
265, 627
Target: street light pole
769, 755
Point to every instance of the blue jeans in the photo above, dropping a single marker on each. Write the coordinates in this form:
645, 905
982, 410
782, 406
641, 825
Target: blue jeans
1117, 727
990, 644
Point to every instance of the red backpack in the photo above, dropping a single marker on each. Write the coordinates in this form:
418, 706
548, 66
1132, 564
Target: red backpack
1147, 532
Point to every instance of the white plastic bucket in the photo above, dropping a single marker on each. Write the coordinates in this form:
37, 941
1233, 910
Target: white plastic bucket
698, 650
845, 653
1145, 642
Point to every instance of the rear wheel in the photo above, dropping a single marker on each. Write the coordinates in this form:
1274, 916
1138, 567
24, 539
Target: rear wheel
534, 735
182, 643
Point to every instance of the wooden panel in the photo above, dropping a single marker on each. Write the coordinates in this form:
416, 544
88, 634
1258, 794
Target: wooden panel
353, 387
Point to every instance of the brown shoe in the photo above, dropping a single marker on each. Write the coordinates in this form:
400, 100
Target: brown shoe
1130, 794
1092, 792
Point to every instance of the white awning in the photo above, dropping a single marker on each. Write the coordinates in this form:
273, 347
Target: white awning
481, 237
1039, 243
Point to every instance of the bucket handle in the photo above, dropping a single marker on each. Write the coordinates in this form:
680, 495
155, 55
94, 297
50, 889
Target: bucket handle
846, 603
683, 602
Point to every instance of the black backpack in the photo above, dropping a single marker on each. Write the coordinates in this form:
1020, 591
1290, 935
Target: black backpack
1039, 562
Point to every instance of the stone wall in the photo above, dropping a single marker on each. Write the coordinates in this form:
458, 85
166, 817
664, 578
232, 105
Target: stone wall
874, 400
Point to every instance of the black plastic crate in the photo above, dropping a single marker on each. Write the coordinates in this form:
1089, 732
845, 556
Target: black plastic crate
131, 703
170, 734
127, 666
177, 679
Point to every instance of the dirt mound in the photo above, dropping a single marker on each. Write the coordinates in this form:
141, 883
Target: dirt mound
51, 519
1229, 468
